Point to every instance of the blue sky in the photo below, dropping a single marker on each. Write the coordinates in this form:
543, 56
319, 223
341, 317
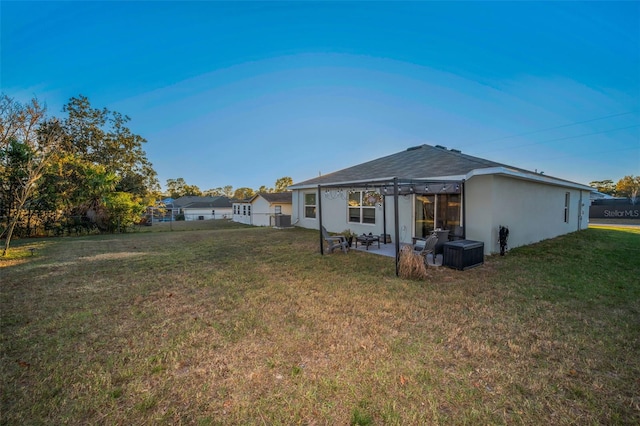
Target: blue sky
243, 93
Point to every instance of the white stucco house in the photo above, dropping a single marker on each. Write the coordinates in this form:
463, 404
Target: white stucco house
203, 208
263, 209
411, 193
242, 211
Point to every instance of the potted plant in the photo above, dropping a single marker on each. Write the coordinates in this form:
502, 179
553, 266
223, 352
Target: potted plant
349, 236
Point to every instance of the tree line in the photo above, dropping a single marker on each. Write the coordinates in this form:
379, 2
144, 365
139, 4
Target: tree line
80, 173
86, 171
177, 188
627, 187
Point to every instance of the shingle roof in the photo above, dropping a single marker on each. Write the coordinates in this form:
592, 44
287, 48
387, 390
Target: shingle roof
420, 162
276, 197
195, 202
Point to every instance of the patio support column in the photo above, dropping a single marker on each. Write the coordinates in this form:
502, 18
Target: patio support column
384, 217
396, 224
320, 219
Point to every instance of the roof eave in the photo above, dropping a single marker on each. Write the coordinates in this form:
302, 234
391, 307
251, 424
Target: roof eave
520, 174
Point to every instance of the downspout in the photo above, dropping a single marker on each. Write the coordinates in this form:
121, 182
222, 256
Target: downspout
396, 224
464, 211
320, 221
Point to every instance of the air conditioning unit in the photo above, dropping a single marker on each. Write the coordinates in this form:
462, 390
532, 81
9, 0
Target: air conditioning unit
283, 221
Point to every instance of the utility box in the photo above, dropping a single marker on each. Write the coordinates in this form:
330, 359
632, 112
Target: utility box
283, 221
463, 254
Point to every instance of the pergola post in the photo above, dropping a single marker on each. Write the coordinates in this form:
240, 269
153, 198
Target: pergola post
320, 221
396, 224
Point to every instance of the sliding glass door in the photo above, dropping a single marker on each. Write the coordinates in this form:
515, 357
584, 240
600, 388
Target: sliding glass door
436, 211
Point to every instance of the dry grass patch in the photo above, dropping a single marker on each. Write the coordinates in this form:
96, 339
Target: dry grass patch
239, 325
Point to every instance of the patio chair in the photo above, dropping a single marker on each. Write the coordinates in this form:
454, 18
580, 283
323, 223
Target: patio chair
426, 247
335, 241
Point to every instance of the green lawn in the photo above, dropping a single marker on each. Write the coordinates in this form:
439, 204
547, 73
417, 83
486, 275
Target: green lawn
228, 324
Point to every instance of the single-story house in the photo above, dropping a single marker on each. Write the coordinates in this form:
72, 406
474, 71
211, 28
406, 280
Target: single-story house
203, 208
264, 209
242, 211
425, 188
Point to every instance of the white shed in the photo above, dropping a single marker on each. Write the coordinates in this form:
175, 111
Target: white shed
263, 209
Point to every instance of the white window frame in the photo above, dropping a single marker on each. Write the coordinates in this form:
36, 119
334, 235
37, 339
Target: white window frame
308, 206
567, 203
360, 205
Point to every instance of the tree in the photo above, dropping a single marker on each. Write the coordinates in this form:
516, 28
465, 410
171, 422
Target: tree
628, 186
604, 186
243, 193
265, 188
283, 183
101, 136
192, 190
124, 210
227, 191
179, 188
27, 143
213, 192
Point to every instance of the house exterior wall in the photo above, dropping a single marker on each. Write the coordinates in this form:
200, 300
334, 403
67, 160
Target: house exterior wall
206, 213
405, 216
532, 211
297, 214
242, 213
260, 212
335, 215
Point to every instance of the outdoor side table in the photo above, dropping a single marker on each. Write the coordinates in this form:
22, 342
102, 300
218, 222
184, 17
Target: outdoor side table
367, 240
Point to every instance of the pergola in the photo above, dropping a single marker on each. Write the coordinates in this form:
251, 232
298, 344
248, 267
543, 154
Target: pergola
395, 186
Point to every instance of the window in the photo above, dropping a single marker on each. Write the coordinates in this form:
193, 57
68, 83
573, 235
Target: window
278, 209
248, 210
310, 205
362, 206
244, 210
566, 207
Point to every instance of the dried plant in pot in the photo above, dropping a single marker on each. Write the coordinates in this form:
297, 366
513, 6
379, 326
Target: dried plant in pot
411, 264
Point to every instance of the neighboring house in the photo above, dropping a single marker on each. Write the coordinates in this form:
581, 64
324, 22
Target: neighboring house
203, 208
263, 209
595, 195
242, 211
438, 188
